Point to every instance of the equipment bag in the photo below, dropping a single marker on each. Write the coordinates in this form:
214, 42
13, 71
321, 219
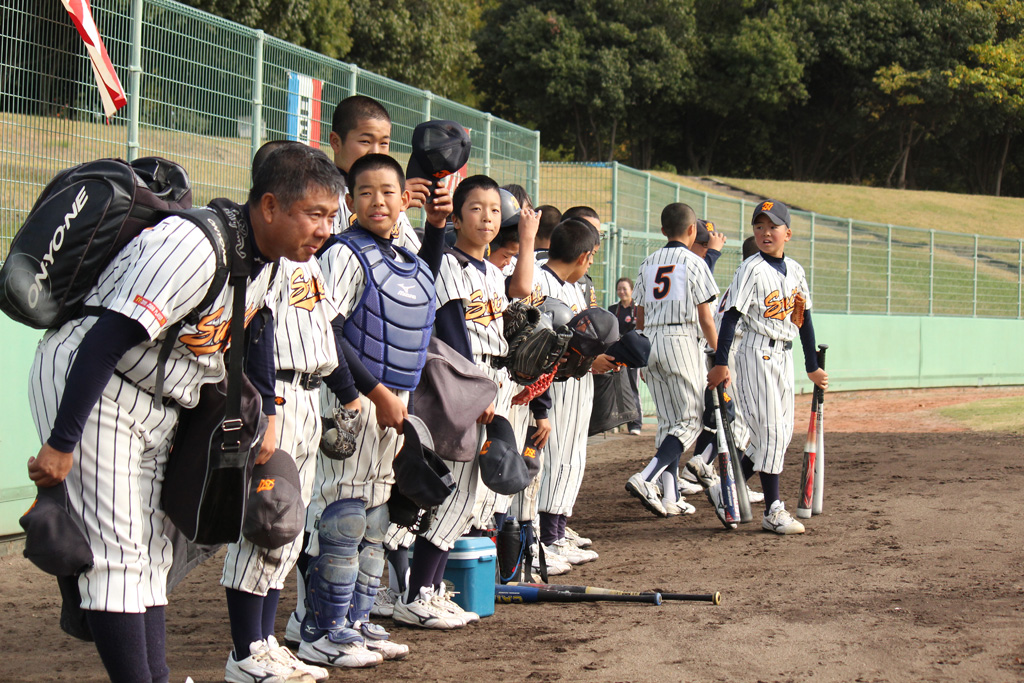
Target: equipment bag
80, 221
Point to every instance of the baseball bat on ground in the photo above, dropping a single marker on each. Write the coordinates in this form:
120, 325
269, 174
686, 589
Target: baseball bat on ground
803, 508
742, 500
714, 598
819, 462
512, 593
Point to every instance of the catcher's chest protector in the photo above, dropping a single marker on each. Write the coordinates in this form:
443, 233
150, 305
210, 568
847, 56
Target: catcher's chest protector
391, 326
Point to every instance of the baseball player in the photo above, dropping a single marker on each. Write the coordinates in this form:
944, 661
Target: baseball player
769, 293
471, 297
673, 296
304, 352
361, 125
385, 300
108, 437
571, 252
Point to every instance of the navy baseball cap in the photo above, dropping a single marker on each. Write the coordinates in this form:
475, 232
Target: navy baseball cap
275, 515
777, 212
502, 466
704, 230
53, 540
439, 149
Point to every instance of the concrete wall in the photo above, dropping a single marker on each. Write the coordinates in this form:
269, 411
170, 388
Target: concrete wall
865, 352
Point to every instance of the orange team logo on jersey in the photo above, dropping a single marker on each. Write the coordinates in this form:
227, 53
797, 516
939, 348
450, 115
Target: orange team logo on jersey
777, 307
304, 293
483, 311
265, 485
593, 297
212, 334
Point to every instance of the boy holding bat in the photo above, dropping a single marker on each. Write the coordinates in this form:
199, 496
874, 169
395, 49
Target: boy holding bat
770, 294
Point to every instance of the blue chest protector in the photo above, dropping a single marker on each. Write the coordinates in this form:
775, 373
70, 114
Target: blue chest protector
391, 325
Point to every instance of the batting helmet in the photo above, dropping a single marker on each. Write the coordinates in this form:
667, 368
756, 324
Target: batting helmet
509, 209
593, 331
559, 313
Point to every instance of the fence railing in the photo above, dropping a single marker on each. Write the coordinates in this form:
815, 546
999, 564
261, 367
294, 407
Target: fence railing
852, 266
203, 91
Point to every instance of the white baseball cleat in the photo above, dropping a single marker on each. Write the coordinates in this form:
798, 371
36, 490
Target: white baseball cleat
442, 598
689, 488
754, 496
260, 667
702, 472
579, 541
714, 494
384, 603
424, 613
282, 655
779, 521
293, 631
647, 494
378, 640
352, 655
677, 507
556, 564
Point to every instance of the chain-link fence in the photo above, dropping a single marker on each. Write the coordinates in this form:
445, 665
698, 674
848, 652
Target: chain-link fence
852, 266
203, 91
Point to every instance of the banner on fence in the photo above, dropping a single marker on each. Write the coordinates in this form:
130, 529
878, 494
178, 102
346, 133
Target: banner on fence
304, 108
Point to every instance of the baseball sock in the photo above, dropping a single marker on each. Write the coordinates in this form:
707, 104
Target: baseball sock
156, 640
398, 568
531, 534
563, 522
548, 528
668, 454
747, 465
439, 572
270, 611
425, 559
245, 614
669, 485
499, 520
121, 642
770, 487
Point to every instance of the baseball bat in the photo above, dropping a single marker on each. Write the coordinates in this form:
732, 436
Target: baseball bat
728, 481
714, 598
819, 463
803, 508
517, 594
742, 501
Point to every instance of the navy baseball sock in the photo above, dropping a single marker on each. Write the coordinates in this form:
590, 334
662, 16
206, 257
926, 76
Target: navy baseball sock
667, 456
121, 642
563, 522
425, 558
439, 572
770, 486
531, 535
245, 614
548, 528
499, 520
156, 640
270, 611
747, 465
398, 565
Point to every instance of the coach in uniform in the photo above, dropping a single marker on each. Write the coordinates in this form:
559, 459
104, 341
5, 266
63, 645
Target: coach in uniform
110, 439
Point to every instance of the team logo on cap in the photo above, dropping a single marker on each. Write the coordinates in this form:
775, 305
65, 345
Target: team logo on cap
530, 452
265, 485
767, 206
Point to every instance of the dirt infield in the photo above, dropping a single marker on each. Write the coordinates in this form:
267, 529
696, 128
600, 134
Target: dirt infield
914, 573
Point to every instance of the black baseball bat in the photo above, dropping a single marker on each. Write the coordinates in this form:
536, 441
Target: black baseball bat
714, 598
742, 500
516, 594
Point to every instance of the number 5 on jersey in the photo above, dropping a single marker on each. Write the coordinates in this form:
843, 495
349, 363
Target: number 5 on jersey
666, 283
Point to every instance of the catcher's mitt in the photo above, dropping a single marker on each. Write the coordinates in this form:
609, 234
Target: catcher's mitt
338, 440
799, 303
534, 345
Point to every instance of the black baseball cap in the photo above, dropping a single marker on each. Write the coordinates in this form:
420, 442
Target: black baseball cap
53, 540
420, 474
439, 149
777, 212
531, 452
502, 466
275, 515
704, 230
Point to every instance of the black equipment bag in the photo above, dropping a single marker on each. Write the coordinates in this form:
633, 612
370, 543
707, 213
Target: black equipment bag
614, 403
80, 221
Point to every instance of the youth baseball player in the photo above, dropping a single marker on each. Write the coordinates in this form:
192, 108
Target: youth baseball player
673, 296
770, 294
304, 352
471, 298
106, 434
385, 300
570, 254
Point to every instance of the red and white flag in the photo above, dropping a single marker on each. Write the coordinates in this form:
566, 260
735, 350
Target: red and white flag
111, 91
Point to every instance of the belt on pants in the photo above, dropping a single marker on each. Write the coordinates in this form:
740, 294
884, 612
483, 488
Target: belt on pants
772, 343
306, 380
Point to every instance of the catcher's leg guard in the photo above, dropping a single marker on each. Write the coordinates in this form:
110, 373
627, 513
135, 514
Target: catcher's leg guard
371, 564
332, 574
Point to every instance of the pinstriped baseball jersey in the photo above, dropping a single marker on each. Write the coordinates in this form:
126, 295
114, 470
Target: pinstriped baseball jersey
402, 234
156, 280
483, 300
303, 337
546, 283
672, 282
765, 296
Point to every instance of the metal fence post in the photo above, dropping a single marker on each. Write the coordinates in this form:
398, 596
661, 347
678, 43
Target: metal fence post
974, 307
931, 272
647, 204
849, 265
487, 145
428, 100
743, 212
705, 208
257, 93
353, 79
615, 193
135, 81
888, 270
536, 165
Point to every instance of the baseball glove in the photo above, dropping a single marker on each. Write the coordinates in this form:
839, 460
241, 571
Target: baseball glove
338, 440
534, 346
799, 303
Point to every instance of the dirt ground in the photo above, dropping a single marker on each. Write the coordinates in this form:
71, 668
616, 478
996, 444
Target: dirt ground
914, 573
